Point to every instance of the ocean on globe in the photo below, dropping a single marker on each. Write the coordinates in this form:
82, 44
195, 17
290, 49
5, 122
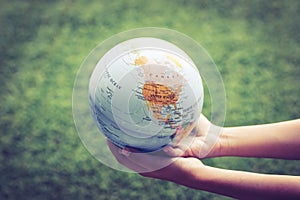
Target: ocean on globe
145, 93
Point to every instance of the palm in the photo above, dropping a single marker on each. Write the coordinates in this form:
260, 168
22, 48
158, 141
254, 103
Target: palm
175, 169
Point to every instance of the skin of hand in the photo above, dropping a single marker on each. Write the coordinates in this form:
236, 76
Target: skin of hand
184, 155
176, 169
204, 143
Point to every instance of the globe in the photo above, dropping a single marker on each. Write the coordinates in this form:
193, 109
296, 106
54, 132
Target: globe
145, 93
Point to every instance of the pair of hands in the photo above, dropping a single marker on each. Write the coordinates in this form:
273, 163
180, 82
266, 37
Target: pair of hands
181, 163
174, 163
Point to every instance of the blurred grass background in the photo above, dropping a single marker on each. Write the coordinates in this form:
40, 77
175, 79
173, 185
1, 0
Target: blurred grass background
255, 45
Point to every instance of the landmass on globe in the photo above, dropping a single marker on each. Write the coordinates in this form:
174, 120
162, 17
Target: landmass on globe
162, 84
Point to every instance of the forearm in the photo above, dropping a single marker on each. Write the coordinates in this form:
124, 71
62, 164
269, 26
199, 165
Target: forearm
278, 140
243, 185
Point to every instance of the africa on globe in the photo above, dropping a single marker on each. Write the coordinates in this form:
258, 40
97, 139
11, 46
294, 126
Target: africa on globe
145, 93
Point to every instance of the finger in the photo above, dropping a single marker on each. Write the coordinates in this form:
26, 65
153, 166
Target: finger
170, 172
173, 151
149, 162
182, 133
122, 157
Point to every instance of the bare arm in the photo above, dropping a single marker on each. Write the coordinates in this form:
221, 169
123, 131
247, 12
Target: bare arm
246, 185
277, 140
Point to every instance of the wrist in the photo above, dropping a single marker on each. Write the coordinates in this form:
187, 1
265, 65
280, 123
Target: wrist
194, 174
226, 141
201, 178
219, 142
232, 142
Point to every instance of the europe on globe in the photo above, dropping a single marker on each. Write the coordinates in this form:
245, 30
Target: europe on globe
145, 96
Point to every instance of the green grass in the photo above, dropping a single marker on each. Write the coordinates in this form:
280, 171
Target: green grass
255, 45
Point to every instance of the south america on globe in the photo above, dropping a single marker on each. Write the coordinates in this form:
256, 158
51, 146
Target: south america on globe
145, 97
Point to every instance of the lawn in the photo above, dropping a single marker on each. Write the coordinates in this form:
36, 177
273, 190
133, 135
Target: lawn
255, 45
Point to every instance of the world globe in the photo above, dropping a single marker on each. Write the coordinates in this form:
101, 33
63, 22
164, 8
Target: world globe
145, 93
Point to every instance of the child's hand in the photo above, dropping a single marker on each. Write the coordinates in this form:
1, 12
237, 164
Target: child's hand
203, 142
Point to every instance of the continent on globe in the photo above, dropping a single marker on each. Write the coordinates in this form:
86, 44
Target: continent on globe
162, 85
157, 96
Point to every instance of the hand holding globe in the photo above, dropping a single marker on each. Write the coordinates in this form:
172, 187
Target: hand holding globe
204, 143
